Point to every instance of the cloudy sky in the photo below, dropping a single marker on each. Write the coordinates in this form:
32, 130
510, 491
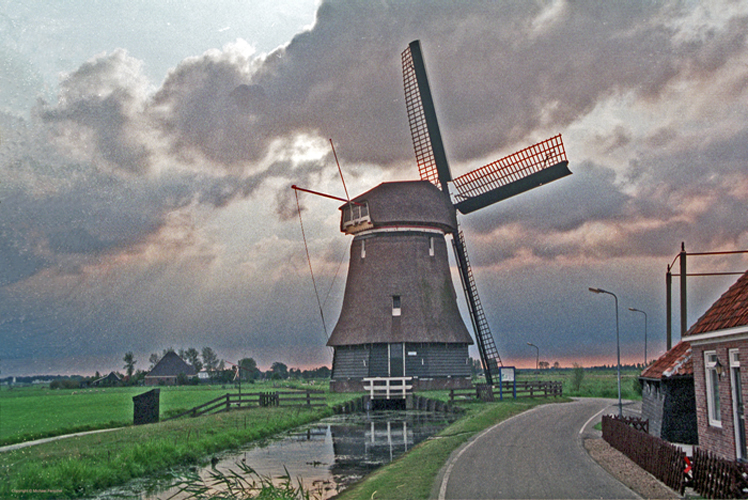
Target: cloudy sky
147, 151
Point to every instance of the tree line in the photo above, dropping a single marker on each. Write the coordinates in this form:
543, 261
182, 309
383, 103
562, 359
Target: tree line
219, 370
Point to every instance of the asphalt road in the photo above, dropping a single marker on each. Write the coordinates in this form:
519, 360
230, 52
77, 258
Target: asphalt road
537, 454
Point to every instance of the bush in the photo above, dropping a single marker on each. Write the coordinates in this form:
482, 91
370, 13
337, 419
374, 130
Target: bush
65, 384
637, 386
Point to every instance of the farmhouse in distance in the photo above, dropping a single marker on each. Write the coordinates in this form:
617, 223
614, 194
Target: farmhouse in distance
168, 370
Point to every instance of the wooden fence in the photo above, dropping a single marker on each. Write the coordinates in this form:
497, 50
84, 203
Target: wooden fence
528, 389
256, 399
715, 477
658, 457
709, 475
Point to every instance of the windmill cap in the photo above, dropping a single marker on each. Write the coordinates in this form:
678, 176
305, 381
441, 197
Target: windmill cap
418, 203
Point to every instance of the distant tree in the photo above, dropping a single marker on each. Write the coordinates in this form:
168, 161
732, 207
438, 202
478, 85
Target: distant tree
321, 372
138, 376
248, 369
97, 375
476, 368
192, 356
279, 370
210, 359
153, 360
130, 361
577, 374
544, 365
556, 365
224, 375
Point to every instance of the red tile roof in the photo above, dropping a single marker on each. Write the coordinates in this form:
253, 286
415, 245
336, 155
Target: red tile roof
676, 362
730, 310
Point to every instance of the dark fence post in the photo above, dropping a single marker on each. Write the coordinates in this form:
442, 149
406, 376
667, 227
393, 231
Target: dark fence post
146, 407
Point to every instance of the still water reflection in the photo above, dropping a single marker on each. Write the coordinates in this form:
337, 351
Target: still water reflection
326, 456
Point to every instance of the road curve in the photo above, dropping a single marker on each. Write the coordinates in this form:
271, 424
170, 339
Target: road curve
537, 454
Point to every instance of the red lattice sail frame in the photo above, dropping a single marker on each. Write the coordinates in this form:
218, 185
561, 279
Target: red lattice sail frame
511, 168
419, 131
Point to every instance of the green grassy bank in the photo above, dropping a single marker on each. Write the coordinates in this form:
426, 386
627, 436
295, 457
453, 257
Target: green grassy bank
79, 466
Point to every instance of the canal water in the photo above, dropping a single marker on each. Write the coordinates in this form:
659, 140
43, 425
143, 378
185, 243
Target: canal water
325, 457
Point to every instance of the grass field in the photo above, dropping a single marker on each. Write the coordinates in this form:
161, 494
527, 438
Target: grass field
596, 383
72, 467
28, 413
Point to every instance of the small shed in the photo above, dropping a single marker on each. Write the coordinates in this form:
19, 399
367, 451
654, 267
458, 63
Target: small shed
168, 370
668, 397
111, 380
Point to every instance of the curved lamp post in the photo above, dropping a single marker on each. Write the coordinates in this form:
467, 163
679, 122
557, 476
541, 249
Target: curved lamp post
537, 354
633, 309
618, 347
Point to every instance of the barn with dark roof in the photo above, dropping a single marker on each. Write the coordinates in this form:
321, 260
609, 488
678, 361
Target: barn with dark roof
168, 370
400, 316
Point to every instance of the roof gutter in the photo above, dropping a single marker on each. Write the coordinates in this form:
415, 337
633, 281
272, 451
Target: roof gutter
736, 333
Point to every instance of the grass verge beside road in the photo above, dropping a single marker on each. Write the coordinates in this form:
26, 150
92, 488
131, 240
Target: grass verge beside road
412, 476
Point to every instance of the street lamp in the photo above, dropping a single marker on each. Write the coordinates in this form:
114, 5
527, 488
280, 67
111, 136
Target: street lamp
618, 347
537, 355
645, 331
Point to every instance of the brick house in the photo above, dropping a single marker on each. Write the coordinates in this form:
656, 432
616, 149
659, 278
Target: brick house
719, 341
668, 399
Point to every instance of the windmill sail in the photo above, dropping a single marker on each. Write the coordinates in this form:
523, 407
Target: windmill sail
527, 169
424, 128
514, 174
486, 346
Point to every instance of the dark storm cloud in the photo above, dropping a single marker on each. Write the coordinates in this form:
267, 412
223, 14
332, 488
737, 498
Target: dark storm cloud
499, 71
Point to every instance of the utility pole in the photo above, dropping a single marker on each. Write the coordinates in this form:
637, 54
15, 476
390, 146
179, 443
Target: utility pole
669, 307
683, 291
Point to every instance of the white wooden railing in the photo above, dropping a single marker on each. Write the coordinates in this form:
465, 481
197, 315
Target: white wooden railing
388, 387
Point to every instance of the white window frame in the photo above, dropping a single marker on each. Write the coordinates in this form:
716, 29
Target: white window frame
397, 303
734, 357
713, 406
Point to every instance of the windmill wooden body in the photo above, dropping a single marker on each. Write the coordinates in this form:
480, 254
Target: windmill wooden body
400, 316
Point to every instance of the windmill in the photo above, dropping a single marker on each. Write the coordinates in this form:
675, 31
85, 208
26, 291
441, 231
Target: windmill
400, 316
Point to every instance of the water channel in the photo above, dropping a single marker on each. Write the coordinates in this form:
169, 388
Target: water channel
326, 456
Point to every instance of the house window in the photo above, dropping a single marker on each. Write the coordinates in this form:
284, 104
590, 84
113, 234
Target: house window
396, 305
712, 388
431, 246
